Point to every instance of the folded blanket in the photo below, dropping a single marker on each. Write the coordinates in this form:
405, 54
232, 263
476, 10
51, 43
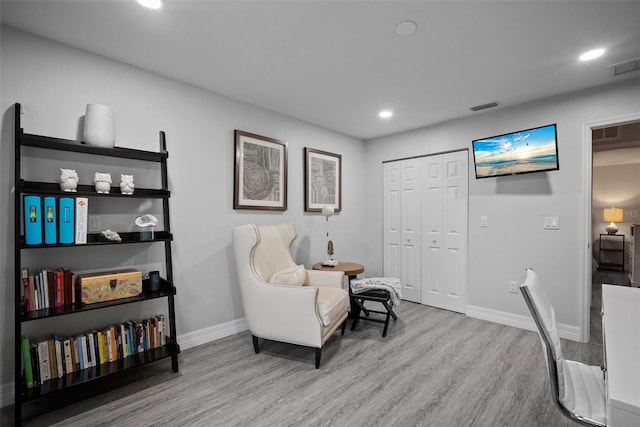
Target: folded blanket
390, 284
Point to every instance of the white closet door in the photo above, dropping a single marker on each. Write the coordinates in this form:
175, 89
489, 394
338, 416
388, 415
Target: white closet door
444, 227
401, 222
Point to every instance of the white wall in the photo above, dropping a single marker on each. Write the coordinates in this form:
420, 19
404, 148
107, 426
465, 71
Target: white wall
54, 83
515, 206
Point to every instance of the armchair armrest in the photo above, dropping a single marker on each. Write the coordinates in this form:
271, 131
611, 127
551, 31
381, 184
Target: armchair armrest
324, 278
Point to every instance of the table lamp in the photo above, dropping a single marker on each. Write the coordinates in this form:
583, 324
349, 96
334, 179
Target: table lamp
612, 215
328, 211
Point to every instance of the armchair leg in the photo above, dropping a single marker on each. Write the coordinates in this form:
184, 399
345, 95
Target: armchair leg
344, 326
318, 356
256, 347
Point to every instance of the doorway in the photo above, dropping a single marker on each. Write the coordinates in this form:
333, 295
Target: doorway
597, 137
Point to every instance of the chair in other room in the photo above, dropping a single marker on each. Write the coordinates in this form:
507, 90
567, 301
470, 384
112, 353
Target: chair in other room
578, 390
283, 301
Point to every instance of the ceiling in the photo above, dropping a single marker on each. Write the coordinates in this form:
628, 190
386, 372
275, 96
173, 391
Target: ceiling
337, 63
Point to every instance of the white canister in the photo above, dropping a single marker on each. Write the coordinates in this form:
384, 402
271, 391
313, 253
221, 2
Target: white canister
99, 126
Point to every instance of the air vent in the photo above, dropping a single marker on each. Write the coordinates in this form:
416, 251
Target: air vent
485, 106
606, 133
625, 66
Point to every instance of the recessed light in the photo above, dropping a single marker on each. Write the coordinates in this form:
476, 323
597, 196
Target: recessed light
406, 28
385, 114
151, 4
592, 54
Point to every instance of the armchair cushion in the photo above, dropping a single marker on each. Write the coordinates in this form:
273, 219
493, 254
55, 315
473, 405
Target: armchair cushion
332, 304
289, 276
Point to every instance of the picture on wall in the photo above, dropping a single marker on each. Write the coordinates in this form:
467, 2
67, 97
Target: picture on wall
260, 179
323, 180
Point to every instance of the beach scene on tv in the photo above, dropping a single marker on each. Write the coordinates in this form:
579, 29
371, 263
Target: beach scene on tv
519, 152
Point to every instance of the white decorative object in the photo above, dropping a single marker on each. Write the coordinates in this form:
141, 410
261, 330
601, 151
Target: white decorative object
99, 126
126, 184
146, 220
111, 236
102, 181
68, 180
145, 223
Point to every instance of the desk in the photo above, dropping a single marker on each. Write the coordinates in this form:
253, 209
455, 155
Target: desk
621, 337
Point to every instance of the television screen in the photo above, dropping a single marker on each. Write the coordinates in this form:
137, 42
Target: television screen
531, 150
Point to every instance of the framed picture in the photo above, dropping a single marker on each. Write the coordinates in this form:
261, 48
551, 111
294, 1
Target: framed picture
322, 180
260, 179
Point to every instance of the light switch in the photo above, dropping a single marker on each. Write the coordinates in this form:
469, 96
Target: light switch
551, 223
484, 222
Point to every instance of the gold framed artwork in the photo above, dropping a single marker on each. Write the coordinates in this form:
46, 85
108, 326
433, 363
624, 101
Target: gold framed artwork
323, 180
260, 178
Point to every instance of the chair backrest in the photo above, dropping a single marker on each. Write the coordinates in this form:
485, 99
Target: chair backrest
545, 318
263, 250
272, 253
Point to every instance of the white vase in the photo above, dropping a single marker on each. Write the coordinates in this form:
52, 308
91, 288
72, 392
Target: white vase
99, 126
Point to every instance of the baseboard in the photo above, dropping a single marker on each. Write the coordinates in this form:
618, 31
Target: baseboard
523, 322
212, 333
188, 340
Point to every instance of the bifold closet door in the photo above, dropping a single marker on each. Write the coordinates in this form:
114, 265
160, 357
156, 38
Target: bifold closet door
401, 224
444, 230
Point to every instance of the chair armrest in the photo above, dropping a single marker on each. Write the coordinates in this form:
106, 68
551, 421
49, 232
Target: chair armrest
288, 314
324, 278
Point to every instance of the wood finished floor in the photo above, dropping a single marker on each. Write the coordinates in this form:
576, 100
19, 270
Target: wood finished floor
421, 374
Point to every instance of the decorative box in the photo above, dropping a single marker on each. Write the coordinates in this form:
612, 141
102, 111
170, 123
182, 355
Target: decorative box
110, 285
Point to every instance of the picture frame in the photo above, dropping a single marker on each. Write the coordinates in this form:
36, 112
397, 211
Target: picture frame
260, 175
322, 180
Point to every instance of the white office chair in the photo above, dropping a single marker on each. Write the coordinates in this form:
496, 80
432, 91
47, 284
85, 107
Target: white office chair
578, 389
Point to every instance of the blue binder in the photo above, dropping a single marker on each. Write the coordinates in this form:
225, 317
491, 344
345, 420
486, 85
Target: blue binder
50, 219
66, 219
33, 220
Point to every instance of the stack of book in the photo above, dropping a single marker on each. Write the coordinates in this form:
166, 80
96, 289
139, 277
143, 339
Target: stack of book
55, 357
49, 288
55, 220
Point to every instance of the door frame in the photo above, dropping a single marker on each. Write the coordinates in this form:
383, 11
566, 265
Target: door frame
584, 293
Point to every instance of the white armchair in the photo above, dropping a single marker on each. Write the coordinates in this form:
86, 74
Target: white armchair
283, 301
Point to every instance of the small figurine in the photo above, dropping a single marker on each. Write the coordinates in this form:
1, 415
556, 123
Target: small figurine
126, 184
68, 180
111, 235
102, 181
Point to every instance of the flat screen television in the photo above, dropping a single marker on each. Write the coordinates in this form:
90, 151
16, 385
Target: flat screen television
525, 151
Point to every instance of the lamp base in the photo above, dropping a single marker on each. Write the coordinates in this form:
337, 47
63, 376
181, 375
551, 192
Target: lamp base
611, 228
330, 262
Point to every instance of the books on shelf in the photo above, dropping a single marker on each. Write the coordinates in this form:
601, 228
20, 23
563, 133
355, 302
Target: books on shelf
82, 213
52, 220
66, 219
55, 357
32, 206
49, 288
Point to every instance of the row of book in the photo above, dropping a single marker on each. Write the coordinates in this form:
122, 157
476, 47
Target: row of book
54, 220
49, 288
45, 359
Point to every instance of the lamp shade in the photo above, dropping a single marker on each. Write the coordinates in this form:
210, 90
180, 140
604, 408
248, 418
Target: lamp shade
612, 214
328, 211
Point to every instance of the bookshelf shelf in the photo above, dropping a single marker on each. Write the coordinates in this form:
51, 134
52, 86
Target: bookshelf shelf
83, 376
50, 143
167, 289
95, 239
52, 188
46, 147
